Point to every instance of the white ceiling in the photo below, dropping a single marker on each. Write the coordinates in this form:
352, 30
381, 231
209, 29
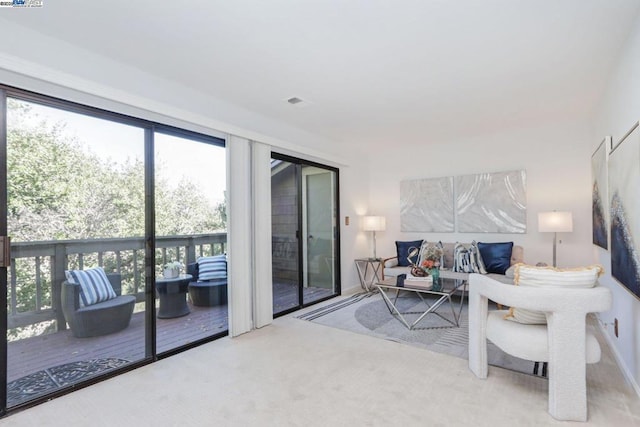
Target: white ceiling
371, 71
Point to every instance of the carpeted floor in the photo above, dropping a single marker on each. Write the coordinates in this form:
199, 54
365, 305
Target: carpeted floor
49, 379
367, 314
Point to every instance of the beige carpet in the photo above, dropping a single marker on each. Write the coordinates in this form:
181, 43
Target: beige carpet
295, 373
368, 314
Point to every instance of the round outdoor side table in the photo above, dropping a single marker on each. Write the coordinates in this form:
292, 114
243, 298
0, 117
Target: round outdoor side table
173, 296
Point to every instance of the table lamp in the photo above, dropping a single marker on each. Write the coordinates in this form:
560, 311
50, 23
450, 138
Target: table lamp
374, 223
555, 222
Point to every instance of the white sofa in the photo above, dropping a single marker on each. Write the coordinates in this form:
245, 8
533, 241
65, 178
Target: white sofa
392, 269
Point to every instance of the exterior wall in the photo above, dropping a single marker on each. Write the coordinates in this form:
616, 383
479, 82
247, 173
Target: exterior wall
284, 215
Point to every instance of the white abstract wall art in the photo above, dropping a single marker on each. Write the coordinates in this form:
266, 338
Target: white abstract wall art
427, 205
492, 202
624, 209
599, 199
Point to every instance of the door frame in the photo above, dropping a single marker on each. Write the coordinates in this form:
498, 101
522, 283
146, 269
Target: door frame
302, 269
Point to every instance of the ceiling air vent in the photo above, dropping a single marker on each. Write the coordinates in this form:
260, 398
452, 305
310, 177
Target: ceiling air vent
294, 100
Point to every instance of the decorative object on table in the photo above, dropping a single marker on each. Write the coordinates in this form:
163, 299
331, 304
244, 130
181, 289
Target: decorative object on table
492, 202
427, 205
599, 199
555, 222
624, 181
426, 272
374, 223
172, 270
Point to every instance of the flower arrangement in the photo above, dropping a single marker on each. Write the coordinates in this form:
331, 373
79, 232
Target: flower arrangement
174, 265
430, 261
172, 269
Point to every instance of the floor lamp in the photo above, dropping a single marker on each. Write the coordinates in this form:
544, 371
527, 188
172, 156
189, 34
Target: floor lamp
555, 222
374, 223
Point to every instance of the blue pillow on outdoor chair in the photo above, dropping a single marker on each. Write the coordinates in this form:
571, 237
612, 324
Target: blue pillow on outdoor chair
212, 268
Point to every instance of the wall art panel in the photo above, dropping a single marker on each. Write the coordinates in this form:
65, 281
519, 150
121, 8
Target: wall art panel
599, 199
624, 205
427, 205
492, 202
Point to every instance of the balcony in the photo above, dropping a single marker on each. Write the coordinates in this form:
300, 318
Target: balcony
39, 341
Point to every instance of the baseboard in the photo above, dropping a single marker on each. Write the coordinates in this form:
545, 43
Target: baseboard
354, 289
618, 357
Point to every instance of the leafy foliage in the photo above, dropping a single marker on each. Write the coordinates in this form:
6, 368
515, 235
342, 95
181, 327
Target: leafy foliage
60, 190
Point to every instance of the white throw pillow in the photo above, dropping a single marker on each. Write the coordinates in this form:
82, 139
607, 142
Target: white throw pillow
94, 285
541, 277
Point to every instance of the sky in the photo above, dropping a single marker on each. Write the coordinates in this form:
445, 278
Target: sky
201, 163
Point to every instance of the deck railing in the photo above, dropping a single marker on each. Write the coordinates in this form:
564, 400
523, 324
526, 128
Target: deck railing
37, 269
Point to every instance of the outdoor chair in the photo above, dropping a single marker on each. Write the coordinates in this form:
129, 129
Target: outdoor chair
563, 341
97, 319
206, 293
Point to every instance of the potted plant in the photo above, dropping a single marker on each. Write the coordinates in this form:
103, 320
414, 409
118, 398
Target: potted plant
172, 269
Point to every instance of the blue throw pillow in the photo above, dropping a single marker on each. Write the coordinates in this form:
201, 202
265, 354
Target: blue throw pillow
496, 256
402, 251
212, 268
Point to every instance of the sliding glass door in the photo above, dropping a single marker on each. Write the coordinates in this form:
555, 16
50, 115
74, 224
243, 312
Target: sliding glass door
190, 218
101, 210
75, 203
305, 237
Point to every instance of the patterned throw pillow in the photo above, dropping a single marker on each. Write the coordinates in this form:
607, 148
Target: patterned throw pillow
94, 285
541, 277
212, 268
403, 249
475, 255
462, 259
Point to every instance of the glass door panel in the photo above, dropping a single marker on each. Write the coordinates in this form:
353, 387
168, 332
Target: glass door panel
319, 222
190, 183
284, 229
304, 216
75, 202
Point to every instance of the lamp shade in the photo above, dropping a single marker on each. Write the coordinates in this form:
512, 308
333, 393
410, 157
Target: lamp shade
373, 223
555, 222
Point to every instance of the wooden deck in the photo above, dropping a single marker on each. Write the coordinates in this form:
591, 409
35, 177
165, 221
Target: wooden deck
34, 354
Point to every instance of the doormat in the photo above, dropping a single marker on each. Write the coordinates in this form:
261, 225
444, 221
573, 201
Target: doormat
51, 379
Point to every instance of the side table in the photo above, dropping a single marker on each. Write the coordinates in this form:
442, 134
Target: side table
173, 296
372, 267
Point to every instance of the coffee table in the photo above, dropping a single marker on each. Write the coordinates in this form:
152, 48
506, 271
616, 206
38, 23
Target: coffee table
173, 296
451, 283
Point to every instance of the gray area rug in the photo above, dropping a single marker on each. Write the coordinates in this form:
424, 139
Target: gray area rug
367, 314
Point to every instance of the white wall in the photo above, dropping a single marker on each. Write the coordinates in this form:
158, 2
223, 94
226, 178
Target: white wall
31, 61
618, 110
556, 158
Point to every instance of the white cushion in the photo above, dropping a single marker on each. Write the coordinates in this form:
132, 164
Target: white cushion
529, 342
94, 285
540, 277
393, 262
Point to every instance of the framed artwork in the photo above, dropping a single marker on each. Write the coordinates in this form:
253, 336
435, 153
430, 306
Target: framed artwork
427, 205
624, 210
599, 191
492, 202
